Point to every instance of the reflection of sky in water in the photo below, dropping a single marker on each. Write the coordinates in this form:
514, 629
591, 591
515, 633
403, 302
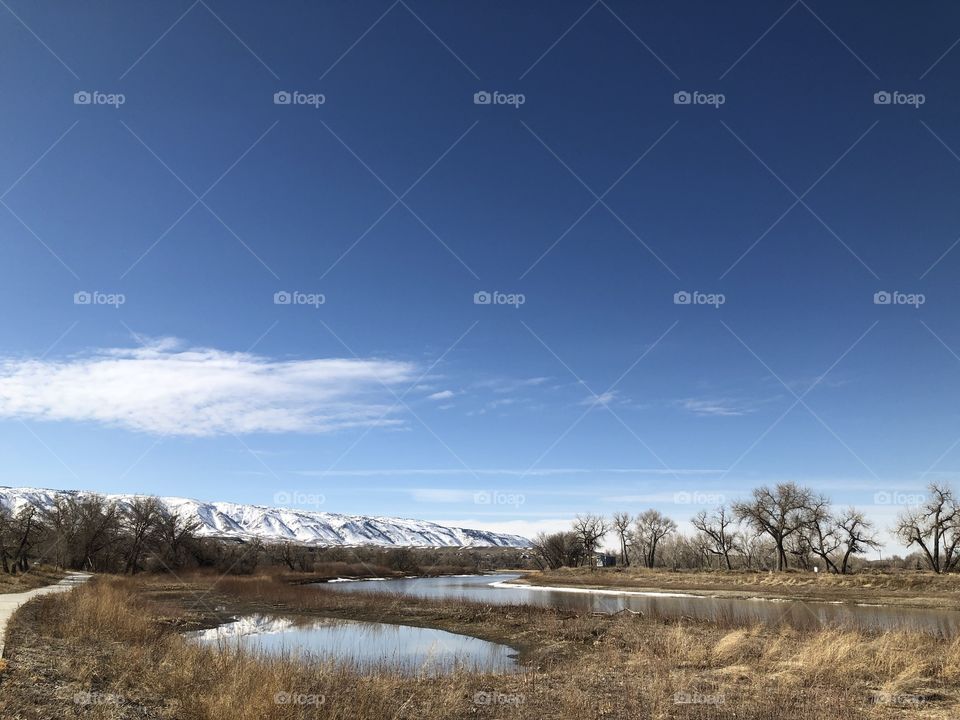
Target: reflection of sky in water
367, 645
797, 613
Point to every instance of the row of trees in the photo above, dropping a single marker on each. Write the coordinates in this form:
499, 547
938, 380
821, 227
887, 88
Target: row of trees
774, 528
90, 533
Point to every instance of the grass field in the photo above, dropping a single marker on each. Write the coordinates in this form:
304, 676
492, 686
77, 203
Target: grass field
113, 649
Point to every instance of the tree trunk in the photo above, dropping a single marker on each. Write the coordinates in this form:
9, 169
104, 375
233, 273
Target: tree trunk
781, 556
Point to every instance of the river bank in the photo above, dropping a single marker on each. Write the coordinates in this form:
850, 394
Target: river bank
115, 649
908, 589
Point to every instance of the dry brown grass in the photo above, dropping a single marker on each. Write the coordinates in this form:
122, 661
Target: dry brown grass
37, 576
113, 637
917, 588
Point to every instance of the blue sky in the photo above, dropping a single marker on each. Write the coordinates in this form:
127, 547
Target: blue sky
794, 198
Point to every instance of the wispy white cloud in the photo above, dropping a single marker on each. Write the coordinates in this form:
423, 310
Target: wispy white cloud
441, 395
510, 385
602, 399
440, 495
163, 388
664, 498
716, 407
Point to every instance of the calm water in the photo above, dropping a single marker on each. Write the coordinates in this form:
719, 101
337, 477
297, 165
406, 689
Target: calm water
484, 588
368, 646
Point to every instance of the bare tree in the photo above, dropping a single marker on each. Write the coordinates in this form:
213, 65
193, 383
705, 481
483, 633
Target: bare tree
6, 531
780, 512
857, 535
139, 522
679, 551
652, 526
621, 523
60, 520
25, 530
285, 553
934, 527
295, 556
717, 529
757, 549
557, 550
822, 536
798, 545
176, 540
96, 530
589, 530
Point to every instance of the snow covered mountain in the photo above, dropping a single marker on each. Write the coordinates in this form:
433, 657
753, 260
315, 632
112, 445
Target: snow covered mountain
273, 524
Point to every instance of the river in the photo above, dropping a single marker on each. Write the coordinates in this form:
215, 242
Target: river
499, 590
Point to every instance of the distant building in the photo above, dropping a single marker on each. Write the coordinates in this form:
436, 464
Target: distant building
601, 559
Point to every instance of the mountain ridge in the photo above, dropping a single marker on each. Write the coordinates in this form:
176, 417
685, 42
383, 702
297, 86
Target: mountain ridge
240, 521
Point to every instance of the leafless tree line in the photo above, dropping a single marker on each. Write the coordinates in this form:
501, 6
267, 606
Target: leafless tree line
91, 533
774, 528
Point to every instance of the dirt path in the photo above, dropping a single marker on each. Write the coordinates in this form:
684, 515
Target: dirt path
9, 602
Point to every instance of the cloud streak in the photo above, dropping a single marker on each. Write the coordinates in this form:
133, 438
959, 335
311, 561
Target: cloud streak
509, 472
167, 390
716, 407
